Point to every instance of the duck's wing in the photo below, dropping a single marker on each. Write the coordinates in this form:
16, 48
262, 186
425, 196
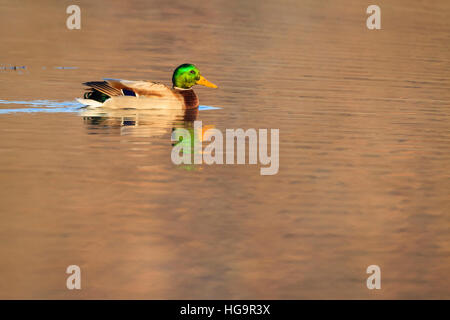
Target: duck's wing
104, 87
140, 87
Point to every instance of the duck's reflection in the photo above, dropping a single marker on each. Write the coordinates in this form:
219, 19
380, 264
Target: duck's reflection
138, 123
154, 123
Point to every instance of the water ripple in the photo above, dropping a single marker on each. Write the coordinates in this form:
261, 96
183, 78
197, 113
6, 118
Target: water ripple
50, 106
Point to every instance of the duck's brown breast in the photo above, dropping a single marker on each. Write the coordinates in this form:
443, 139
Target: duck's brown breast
188, 97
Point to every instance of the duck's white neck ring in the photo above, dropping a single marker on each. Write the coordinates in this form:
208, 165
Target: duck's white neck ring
181, 88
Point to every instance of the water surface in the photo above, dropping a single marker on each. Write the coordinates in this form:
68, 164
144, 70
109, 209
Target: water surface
364, 152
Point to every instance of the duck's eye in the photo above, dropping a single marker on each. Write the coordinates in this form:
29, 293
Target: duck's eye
192, 71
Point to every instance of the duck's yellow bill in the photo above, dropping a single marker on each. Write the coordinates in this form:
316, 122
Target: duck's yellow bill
202, 81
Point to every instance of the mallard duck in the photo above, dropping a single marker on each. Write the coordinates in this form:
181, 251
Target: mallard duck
143, 94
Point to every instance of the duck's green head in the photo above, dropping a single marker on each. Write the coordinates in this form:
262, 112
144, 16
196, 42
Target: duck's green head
187, 75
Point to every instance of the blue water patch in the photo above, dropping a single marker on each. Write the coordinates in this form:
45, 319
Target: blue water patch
47, 103
55, 106
13, 68
208, 108
69, 68
42, 106
31, 110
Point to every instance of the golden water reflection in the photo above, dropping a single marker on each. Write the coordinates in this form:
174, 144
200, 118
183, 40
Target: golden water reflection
138, 123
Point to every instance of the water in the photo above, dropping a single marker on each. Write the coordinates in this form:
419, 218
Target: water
364, 152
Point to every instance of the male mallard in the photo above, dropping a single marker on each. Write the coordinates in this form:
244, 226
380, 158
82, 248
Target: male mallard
142, 94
